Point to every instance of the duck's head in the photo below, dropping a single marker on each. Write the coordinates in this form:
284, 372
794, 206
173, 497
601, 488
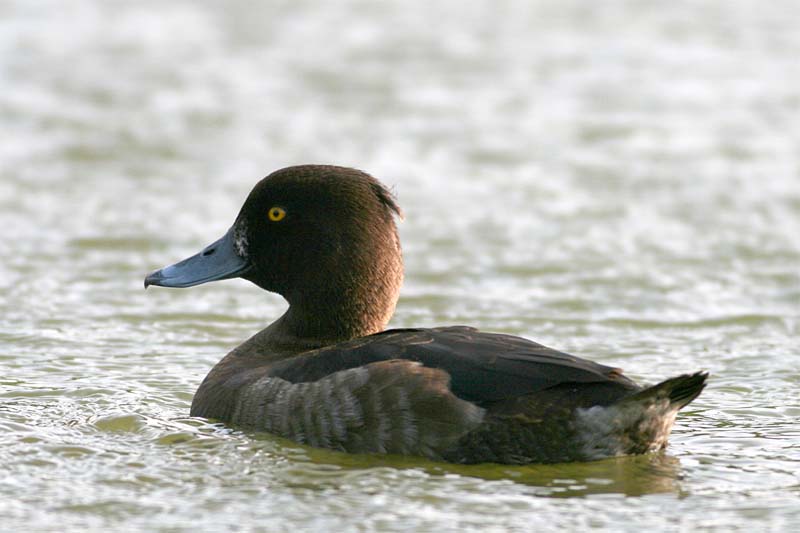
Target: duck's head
323, 237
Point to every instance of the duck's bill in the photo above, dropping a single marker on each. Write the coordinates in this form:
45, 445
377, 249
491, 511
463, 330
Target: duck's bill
217, 261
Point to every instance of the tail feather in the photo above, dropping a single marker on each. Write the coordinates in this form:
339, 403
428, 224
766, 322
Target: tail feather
639, 423
686, 388
681, 390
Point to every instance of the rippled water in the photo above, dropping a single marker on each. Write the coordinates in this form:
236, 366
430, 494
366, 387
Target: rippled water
616, 179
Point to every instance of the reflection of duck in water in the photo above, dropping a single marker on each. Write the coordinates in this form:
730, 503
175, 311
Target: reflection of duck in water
326, 374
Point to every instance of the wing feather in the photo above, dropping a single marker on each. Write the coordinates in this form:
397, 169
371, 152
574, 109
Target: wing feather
483, 367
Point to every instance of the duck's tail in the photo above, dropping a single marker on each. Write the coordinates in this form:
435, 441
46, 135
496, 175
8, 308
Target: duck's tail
680, 391
638, 423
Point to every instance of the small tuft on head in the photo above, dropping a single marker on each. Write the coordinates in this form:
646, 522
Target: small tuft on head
335, 174
386, 197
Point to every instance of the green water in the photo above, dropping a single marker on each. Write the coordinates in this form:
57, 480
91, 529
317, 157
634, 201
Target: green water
620, 180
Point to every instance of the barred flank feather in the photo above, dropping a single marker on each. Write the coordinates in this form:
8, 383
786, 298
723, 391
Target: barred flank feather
395, 406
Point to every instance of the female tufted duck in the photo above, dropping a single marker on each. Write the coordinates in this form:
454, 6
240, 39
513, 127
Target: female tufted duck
326, 374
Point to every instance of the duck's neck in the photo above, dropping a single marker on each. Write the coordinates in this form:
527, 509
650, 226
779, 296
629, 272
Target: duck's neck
359, 303
326, 321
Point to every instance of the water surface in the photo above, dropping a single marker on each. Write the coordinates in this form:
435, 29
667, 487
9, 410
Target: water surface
620, 180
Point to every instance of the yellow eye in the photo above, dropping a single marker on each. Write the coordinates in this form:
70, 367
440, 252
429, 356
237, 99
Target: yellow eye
276, 214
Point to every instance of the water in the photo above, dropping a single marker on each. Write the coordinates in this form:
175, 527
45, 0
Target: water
620, 180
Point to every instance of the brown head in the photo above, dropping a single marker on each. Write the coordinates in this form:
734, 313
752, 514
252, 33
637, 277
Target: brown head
323, 237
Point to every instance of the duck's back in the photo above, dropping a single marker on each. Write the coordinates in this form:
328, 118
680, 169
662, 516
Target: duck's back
483, 368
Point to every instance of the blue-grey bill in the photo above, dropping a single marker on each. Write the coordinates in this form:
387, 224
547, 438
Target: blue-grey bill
217, 261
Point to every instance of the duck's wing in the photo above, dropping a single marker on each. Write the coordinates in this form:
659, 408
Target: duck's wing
483, 367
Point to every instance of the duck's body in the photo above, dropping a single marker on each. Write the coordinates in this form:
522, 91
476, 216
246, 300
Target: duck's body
326, 374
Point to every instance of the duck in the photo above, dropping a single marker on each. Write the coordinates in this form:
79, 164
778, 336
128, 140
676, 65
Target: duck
328, 374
